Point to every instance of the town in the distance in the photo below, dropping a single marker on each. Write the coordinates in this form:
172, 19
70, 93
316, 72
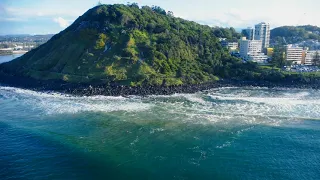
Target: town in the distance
20, 44
254, 45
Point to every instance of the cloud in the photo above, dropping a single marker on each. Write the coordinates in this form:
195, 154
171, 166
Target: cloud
62, 22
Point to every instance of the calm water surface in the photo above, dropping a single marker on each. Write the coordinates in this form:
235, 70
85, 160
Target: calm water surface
226, 133
7, 58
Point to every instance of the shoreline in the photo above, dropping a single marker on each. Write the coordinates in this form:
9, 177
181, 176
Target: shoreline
120, 90
19, 52
14, 53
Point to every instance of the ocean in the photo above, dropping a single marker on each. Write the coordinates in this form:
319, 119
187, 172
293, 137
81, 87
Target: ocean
223, 133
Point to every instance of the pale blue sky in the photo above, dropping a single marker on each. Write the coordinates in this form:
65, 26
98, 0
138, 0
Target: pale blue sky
52, 16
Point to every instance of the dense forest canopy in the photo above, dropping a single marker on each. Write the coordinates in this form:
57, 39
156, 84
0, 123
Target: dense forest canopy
229, 33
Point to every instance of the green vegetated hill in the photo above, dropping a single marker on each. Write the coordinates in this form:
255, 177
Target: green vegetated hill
295, 34
128, 45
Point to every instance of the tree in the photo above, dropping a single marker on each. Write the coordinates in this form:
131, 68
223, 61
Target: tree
277, 59
135, 5
159, 10
218, 33
170, 13
316, 59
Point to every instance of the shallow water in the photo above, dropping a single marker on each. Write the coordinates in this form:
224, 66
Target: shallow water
225, 133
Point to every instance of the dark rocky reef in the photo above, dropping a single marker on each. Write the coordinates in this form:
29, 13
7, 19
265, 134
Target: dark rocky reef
113, 89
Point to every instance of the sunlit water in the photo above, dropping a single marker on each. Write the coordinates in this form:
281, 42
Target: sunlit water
7, 58
226, 133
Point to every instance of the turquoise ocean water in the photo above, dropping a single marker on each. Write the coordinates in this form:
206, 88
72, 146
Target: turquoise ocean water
225, 133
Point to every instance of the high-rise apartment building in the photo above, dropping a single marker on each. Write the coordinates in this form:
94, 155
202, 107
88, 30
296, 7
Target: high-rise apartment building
248, 33
250, 50
262, 32
249, 46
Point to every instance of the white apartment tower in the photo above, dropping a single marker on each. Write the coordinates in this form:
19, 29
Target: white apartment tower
294, 54
262, 32
249, 47
250, 50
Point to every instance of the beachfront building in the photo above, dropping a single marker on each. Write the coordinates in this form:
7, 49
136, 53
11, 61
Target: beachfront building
262, 32
250, 50
309, 57
249, 46
294, 54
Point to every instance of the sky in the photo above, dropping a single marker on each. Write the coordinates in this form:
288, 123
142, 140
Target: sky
52, 16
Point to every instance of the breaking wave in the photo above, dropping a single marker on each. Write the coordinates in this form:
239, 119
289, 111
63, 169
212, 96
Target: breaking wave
221, 105
52, 103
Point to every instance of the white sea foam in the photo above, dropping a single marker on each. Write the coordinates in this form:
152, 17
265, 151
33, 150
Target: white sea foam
155, 130
268, 100
221, 105
224, 145
250, 106
53, 103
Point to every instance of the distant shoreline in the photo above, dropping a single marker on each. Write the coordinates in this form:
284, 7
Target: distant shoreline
19, 52
13, 53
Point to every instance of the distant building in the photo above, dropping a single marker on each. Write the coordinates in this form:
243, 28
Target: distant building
250, 50
268, 51
235, 54
294, 54
6, 49
304, 54
233, 45
309, 57
262, 32
248, 33
249, 46
230, 45
259, 58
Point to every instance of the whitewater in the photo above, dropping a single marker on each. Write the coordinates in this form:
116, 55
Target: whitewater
222, 133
